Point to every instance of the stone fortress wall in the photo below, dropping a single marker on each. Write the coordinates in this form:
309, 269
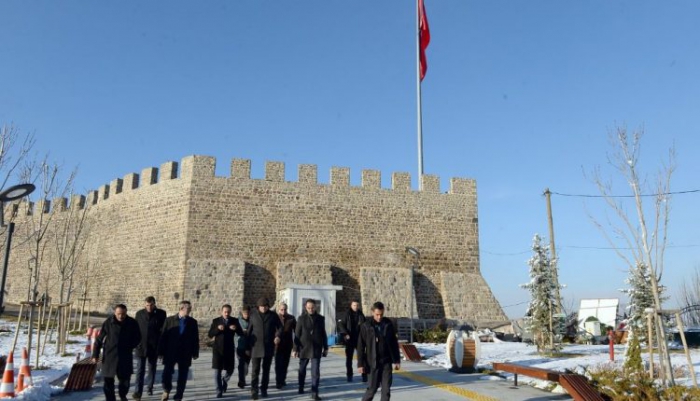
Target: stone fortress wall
181, 232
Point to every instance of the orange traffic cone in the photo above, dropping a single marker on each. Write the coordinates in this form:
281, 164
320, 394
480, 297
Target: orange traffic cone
88, 346
20, 382
24, 368
7, 387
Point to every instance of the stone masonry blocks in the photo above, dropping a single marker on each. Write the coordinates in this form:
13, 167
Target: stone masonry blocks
168, 171
149, 176
198, 167
401, 182
77, 201
59, 204
211, 283
308, 174
371, 179
392, 286
274, 171
103, 192
462, 186
340, 176
130, 182
240, 169
431, 184
116, 186
303, 273
468, 297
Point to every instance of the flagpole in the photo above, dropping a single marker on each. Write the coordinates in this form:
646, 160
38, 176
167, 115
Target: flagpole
420, 108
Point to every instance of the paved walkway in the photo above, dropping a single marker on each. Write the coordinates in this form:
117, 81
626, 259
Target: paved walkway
415, 381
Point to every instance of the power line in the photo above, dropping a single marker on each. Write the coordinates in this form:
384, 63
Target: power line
626, 196
519, 303
583, 247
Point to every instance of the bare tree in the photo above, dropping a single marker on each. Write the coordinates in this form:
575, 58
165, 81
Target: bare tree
643, 232
50, 185
71, 234
15, 147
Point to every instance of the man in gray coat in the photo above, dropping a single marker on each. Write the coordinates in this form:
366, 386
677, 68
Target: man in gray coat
118, 337
311, 343
264, 332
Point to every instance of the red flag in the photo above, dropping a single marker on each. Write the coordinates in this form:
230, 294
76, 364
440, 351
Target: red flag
423, 37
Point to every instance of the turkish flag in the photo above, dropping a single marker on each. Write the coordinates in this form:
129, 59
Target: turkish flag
423, 37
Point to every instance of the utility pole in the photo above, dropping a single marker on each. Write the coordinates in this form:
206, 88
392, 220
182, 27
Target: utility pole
553, 250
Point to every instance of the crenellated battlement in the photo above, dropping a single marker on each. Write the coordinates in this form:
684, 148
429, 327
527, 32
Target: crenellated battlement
202, 167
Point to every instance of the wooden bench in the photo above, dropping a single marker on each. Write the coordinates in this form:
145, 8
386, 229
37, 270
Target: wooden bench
576, 385
410, 352
81, 376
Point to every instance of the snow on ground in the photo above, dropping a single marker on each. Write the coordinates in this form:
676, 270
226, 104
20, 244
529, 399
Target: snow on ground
584, 356
52, 366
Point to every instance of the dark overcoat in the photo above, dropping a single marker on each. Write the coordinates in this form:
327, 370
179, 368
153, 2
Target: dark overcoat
117, 340
367, 343
350, 325
179, 348
262, 330
311, 340
289, 324
150, 325
224, 348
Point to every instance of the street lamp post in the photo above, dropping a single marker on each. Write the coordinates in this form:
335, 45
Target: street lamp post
8, 195
416, 256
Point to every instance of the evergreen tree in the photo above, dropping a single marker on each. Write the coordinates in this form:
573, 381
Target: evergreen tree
641, 297
542, 287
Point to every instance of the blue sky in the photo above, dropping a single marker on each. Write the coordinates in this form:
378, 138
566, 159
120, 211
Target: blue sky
519, 95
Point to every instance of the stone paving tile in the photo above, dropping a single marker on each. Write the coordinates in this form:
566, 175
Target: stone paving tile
415, 381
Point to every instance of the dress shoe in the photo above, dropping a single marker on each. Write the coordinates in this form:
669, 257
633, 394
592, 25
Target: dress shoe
241, 385
315, 397
219, 394
254, 395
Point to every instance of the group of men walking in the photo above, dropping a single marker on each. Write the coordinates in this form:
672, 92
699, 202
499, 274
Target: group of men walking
255, 337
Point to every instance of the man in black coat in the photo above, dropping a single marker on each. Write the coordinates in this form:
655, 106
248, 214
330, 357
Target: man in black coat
349, 329
223, 330
311, 344
150, 320
377, 349
118, 337
179, 344
264, 332
284, 349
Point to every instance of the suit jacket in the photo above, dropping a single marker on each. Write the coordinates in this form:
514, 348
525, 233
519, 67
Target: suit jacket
311, 340
350, 325
150, 326
367, 343
179, 348
289, 324
224, 349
